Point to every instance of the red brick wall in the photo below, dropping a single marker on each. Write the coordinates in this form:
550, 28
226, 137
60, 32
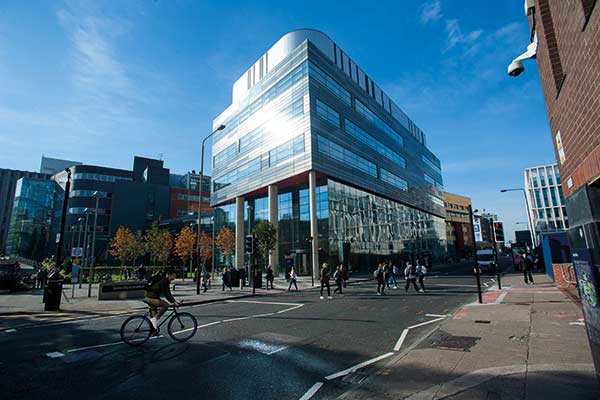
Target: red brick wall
575, 110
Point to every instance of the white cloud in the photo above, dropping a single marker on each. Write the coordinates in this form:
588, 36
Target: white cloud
456, 35
431, 11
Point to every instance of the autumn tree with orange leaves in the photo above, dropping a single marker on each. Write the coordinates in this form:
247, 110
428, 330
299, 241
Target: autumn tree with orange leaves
225, 241
184, 243
122, 246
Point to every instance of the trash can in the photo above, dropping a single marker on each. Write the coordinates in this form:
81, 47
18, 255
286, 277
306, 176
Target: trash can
257, 279
52, 294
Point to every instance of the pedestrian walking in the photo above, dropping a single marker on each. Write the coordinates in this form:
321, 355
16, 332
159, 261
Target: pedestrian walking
337, 277
393, 274
270, 277
293, 278
527, 265
224, 282
421, 271
410, 275
325, 280
380, 278
344, 274
242, 275
387, 272
204, 279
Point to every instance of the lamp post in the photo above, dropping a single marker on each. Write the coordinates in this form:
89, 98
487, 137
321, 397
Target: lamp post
495, 253
85, 243
533, 241
219, 128
250, 263
476, 268
93, 255
63, 220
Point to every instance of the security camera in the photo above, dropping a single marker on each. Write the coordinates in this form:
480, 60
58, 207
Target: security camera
516, 67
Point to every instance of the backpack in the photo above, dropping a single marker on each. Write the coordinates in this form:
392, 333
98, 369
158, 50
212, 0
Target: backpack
152, 282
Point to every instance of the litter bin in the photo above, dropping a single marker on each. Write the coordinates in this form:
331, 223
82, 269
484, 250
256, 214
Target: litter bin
52, 294
257, 279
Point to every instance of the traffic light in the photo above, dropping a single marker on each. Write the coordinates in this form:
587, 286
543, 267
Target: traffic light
499, 231
249, 244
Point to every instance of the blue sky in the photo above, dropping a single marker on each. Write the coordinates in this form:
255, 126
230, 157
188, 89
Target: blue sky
100, 81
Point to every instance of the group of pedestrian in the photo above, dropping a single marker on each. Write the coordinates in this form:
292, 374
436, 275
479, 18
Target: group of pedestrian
339, 275
386, 272
41, 278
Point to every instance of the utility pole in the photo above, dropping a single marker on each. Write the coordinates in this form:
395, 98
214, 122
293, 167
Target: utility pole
496, 253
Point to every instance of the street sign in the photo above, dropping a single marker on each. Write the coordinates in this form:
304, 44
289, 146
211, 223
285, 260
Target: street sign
58, 238
77, 252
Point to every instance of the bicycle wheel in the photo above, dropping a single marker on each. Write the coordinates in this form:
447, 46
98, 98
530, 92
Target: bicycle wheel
182, 326
136, 330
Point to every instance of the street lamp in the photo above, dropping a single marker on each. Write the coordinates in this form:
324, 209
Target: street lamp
93, 262
86, 211
250, 264
533, 241
219, 128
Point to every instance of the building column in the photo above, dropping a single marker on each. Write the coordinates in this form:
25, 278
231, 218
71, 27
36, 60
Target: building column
273, 201
239, 232
314, 232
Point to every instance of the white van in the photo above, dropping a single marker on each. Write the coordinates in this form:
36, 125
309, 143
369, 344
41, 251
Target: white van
486, 260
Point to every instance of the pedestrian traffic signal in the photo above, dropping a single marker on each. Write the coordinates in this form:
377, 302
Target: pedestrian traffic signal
499, 231
249, 244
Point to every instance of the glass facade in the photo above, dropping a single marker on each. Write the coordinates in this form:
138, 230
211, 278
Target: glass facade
545, 195
305, 113
31, 218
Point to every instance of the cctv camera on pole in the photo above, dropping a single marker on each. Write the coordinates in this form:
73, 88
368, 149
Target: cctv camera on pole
516, 66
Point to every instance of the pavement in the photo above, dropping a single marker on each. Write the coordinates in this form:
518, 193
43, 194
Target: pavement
525, 342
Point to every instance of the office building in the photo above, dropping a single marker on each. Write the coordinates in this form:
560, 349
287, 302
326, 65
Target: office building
52, 166
185, 199
458, 226
313, 145
8, 184
546, 201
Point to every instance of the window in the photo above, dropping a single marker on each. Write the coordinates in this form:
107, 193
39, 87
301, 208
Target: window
329, 83
87, 193
431, 164
373, 143
395, 180
286, 151
378, 122
225, 155
345, 156
435, 183
237, 174
328, 114
99, 177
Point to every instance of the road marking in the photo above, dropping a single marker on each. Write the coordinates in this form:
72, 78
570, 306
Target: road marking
438, 315
10, 330
359, 366
401, 340
264, 302
238, 319
95, 346
55, 354
425, 323
210, 324
290, 309
311, 392
262, 347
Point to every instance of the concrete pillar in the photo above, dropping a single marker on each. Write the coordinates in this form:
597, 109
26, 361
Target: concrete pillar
239, 232
314, 232
273, 201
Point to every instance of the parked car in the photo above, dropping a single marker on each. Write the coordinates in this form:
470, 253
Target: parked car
486, 260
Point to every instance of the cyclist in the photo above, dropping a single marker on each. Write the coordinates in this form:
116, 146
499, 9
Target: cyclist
153, 298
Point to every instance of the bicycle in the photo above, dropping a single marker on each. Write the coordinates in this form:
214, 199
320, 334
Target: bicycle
137, 329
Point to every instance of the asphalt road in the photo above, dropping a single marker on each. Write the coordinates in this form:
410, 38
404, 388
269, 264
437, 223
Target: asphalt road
268, 347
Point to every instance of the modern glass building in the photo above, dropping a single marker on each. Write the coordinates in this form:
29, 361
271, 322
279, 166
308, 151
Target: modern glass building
547, 203
314, 146
31, 218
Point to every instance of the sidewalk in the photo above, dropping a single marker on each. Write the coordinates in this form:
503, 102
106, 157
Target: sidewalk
527, 342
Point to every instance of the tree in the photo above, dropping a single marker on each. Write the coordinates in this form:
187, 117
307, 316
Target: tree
184, 243
154, 241
164, 246
265, 238
122, 244
139, 247
205, 250
225, 241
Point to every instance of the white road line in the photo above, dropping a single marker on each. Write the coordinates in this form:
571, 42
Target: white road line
55, 354
210, 324
95, 347
438, 315
425, 323
311, 392
238, 319
577, 323
290, 309
10, 330
500, 298
263, 302
401, 340
358, 366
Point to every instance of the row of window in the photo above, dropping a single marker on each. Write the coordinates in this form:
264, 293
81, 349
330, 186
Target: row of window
373, 143
90, 210
433, 182
431, 165
345, 156
328, 114
435, 200
99, 177
88, 193
275, 157
329, 83
277, 89
245, 142
192, 197
392, 179
370, 115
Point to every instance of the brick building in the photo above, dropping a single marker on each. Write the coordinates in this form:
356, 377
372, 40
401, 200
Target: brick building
458, 226
564, 41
